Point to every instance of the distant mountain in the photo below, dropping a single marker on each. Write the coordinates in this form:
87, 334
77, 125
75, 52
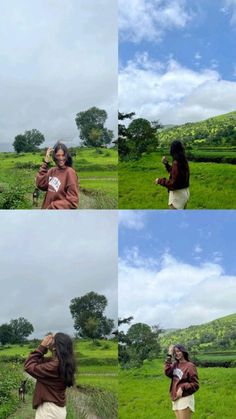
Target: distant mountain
219, 130
217, 334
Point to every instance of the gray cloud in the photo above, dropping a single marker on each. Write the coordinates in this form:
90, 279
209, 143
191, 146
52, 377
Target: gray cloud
48, 259
57, 59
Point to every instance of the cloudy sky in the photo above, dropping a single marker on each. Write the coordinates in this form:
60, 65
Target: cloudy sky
177, 269
48, 259
177, 58
58, 57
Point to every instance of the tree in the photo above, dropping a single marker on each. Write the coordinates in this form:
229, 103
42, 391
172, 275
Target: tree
142, 134
89, 320
21, 329
123, 145
139, 343
29, 141
91, 126
6, 335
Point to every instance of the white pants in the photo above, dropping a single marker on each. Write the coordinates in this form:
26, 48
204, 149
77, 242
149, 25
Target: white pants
183, 403
179, 198
49, 410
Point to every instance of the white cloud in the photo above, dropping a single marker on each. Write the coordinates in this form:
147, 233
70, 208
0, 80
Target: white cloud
229, 9
131, 219
173, 94
198, 249
54, 64
149, 19
174, 294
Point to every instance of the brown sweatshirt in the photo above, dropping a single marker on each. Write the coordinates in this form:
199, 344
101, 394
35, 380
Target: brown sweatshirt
182, 374
49, 386
61, 185
177, 180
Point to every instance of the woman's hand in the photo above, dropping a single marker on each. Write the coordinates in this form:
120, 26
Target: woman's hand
156, 181
164, 160
47, 341
171, 350
179, 393
48, 154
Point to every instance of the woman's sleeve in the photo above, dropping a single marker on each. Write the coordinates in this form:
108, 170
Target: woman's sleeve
168, 167
42, 177
37, 368
169, 367
170, 183
71, 200
193, 385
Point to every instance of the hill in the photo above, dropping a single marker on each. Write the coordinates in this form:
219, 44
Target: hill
217, 131
219, 334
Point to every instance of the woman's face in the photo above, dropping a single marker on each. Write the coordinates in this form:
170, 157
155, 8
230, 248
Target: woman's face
60, 158
179, 356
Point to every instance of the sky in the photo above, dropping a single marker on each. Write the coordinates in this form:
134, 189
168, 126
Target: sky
49, 258
58, 57
177, 59
176, 269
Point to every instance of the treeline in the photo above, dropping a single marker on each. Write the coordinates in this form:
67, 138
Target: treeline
91, 126
217, 131
138, 136
218, 334
88, 315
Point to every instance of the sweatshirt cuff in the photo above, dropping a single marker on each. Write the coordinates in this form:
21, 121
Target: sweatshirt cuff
42, 349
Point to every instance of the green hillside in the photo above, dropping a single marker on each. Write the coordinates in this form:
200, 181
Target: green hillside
219, 334
217, 131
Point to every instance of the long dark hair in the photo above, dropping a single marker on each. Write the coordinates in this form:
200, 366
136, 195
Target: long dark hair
60, 146
177, 152
64, 350
183, 350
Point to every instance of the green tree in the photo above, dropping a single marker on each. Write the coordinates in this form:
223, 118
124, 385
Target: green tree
21, 329
91, 126
29, 141
139, 343
88, 314
123, 139
6, 335
142, 135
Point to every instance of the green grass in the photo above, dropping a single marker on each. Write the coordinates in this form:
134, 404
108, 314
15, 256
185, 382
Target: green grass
96, 378
212, 185
97, 172
144, 393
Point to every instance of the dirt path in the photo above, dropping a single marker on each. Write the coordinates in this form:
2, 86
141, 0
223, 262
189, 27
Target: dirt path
25, 411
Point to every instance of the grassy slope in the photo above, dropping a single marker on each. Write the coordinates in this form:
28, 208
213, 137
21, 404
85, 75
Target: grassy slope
218, 328
212, 185
143, 393
97, 172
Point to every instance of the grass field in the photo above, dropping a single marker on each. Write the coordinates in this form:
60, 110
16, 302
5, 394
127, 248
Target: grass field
96, 380
212, 185
96, 169
144, 393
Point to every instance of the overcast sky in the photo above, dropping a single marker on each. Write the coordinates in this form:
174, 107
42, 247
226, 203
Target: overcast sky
58, 57
177, 59
177, 269
47, 259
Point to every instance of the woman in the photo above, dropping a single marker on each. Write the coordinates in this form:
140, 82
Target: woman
184, 381
52, 375
60, 182
178, 182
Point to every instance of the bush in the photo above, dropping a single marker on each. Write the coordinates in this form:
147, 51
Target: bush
12, 199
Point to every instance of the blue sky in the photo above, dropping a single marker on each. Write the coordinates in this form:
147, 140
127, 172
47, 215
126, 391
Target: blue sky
177, 269
177, 58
